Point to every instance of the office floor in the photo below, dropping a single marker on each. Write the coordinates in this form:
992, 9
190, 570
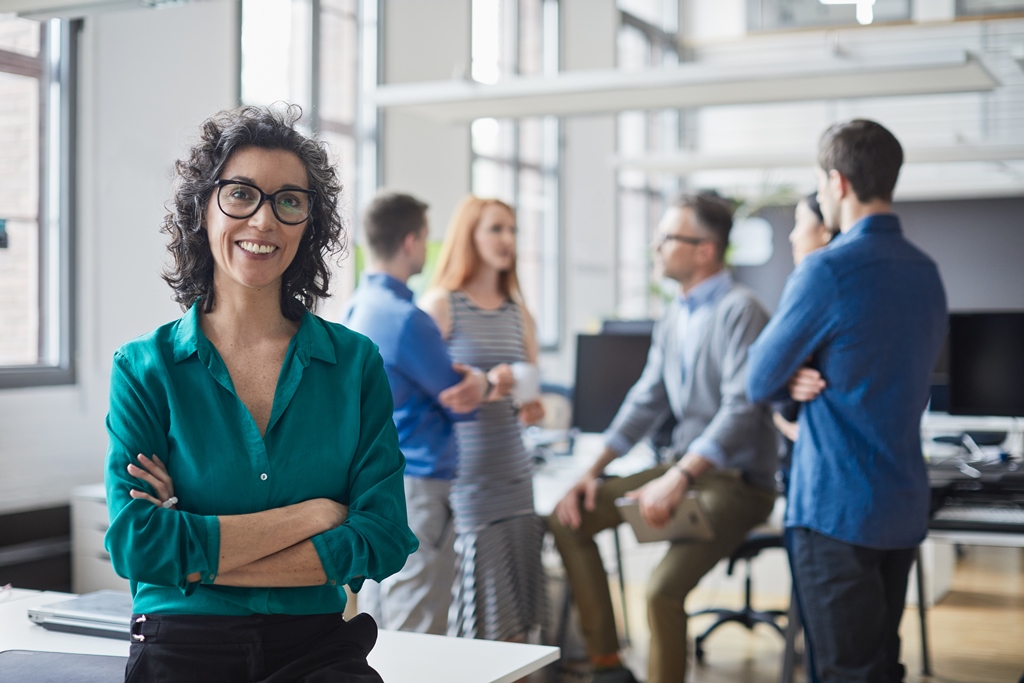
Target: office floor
976, 631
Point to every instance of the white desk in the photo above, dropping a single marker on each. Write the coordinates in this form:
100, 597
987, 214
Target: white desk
991, 538
556, 476
398, 657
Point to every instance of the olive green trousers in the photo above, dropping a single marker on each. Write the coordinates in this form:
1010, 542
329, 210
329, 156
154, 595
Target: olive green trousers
733, 507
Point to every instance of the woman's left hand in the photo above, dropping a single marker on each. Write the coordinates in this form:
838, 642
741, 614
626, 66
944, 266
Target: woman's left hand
154, 473
531, 412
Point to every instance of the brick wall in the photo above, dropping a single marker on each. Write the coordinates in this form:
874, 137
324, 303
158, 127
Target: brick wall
19, 204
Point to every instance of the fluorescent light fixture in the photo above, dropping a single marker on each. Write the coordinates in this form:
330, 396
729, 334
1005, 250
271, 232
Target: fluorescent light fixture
865, 8
693, 84
684, 164
38, 9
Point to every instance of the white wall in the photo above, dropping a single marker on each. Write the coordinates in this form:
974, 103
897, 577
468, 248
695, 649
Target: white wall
588, 33
148, 77
425, 41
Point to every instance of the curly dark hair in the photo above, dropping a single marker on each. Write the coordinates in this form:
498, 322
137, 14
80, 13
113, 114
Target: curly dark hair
307, 277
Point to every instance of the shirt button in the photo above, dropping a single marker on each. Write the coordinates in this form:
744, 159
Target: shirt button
263, 476
212, 577
333, 582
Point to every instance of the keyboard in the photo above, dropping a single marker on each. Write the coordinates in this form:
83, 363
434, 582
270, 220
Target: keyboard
1000, 518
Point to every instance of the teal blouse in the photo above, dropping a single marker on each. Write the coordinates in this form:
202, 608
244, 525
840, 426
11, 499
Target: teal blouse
330, 435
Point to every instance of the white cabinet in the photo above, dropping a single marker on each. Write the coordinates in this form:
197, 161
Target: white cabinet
90, 563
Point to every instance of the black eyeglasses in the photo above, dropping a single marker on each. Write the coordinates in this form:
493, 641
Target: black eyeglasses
239, 199
686, 239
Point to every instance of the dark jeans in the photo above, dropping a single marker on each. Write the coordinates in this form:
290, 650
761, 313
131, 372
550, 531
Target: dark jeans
320, 648
811, 673
851, 600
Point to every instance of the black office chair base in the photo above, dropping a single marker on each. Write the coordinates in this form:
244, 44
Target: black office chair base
747, 617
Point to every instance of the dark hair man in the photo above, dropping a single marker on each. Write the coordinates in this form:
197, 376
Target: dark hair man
869, 311
430, 393
724, 446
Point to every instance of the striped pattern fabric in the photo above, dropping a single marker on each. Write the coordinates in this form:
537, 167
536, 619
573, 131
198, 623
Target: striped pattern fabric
499, 585
499, 590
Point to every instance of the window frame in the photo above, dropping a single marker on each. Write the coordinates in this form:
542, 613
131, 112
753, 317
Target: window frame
654, 194
361, 133
56, 68
550, 318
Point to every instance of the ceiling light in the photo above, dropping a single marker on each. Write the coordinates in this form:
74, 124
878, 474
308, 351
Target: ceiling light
693, 84
865, 8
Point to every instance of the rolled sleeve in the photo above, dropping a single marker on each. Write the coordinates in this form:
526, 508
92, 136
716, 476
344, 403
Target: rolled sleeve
645, 404
424, 360
147, 543
710, 451
617, 443
375, 539
804, 319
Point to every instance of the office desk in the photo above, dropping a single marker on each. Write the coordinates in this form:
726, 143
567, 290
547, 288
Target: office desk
398, 657
553, 478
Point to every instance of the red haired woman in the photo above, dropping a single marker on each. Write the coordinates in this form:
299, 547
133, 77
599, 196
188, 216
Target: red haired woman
476, 301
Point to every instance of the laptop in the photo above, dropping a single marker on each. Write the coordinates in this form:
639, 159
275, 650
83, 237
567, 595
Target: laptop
105, 613
688, 523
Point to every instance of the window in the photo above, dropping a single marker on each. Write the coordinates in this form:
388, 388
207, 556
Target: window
977, 8
517, 160
35, 202
641, 200
321, 55
775, 15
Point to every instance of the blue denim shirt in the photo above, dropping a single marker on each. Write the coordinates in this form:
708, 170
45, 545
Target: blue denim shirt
869, 312
418, 367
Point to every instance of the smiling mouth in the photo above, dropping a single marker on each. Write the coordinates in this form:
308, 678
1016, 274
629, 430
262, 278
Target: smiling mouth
254, 248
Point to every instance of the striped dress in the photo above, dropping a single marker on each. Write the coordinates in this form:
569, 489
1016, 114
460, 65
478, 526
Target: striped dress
499, 588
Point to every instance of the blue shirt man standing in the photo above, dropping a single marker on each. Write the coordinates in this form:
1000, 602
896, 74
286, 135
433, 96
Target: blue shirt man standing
867, 317
430, 394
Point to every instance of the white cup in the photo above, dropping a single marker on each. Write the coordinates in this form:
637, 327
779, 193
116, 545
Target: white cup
527, 386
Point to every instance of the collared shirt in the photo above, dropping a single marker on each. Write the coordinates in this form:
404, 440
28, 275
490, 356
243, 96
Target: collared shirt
870, 312
330, 435
418, 367
696, 308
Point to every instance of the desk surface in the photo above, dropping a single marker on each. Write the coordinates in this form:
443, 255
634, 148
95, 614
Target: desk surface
557, 475
398, 657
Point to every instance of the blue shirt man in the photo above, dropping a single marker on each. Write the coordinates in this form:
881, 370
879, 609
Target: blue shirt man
430, 394
418, 367
868, 315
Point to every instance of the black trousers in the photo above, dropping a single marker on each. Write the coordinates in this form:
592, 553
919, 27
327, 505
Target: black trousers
851, 600
321, 648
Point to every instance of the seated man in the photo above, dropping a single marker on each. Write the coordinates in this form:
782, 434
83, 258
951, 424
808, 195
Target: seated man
725, 447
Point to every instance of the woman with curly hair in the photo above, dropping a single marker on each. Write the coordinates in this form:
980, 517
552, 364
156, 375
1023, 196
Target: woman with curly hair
477, 304
253, 468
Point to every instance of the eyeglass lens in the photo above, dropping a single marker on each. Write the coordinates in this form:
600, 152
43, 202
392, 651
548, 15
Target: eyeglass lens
238, 200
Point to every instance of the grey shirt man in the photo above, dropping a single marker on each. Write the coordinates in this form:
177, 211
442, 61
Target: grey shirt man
696, 369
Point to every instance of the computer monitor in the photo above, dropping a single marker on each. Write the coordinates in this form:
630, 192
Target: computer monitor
986, 363
607, 365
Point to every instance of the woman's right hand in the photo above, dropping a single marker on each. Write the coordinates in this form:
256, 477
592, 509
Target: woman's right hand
790, 430
502, 380
154, 473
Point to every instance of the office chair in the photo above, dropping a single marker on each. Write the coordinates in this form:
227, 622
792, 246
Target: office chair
755, 542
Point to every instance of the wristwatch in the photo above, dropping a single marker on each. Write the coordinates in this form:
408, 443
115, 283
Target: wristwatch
687, 474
